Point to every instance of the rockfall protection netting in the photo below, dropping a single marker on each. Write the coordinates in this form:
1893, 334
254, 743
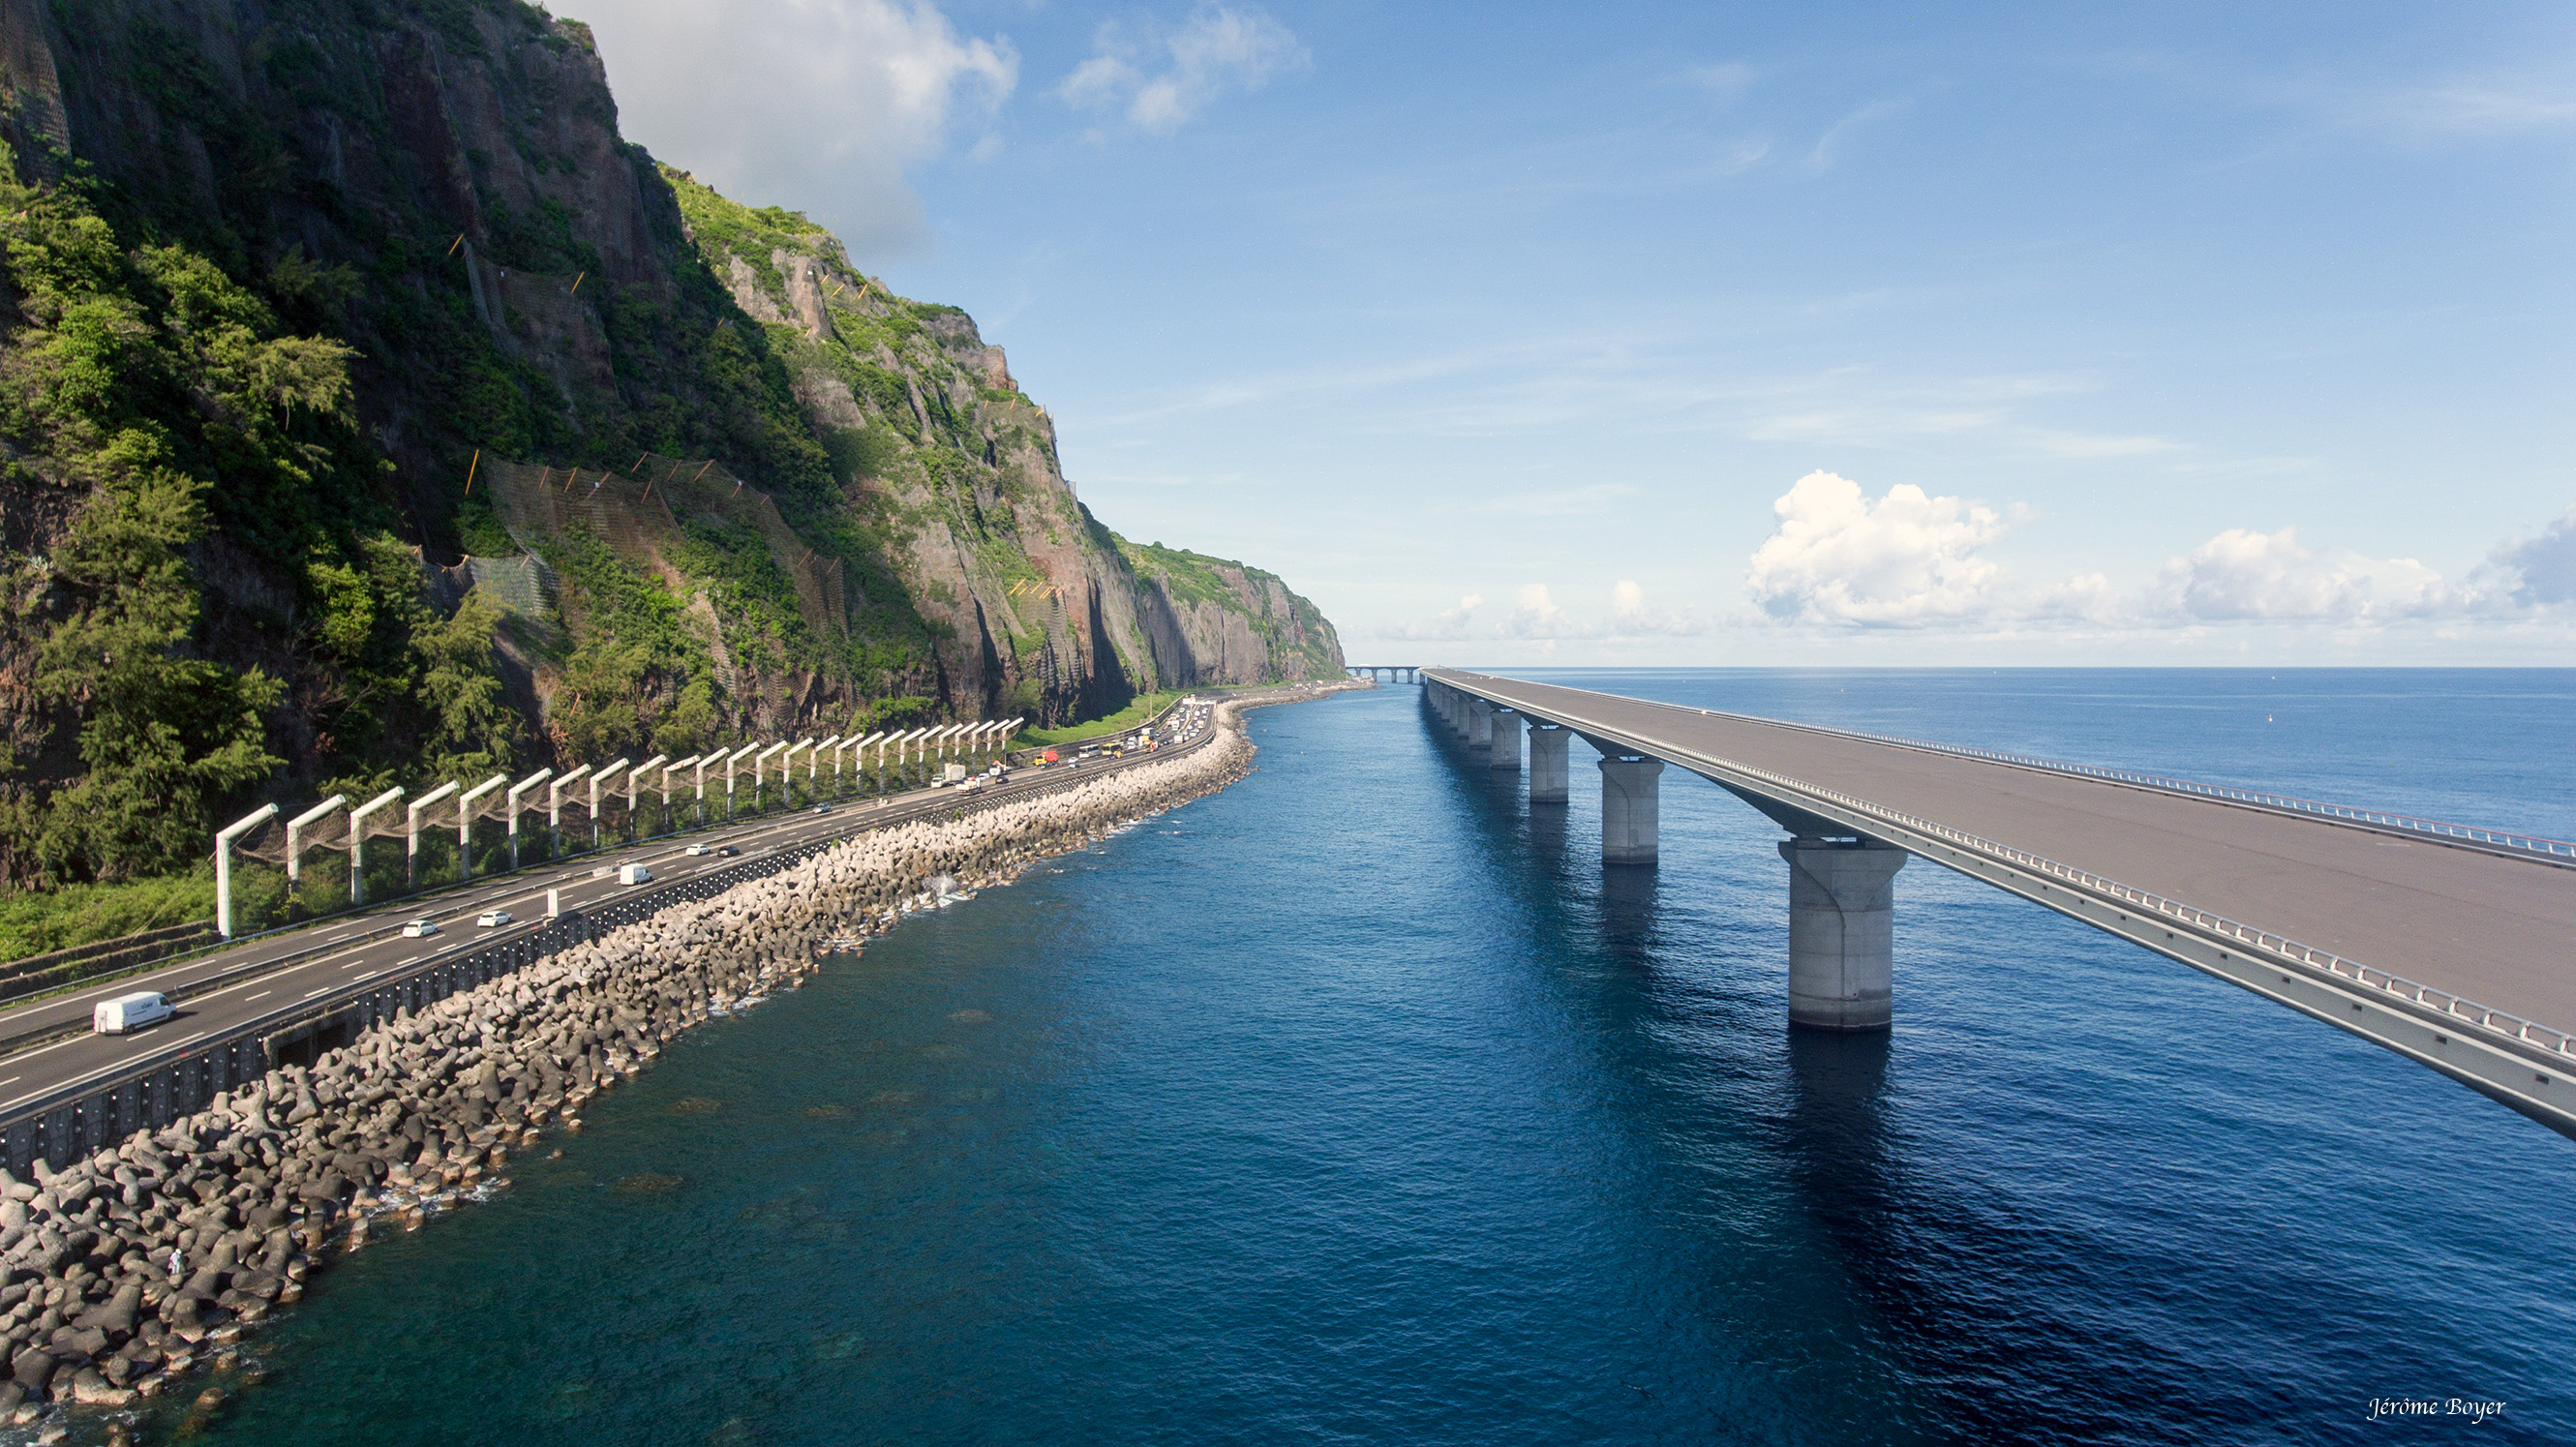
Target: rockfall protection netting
638, 514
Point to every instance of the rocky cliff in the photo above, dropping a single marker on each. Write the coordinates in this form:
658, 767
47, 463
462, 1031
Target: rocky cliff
373, 411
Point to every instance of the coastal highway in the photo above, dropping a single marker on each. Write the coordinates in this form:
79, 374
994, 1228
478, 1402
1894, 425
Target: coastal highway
47, 1052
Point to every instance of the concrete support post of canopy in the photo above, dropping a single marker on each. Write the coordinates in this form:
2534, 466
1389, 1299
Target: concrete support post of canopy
358, 841
606, 773
1842, 932
554, 808
411, 845
465, 803
224, 863
1630, 800
674, 767
1547, 762
634, 780
295, 828
730, 761
814, 768
511, 802
787, 772
1504, 737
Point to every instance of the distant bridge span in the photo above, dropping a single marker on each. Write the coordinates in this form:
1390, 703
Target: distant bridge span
2453, 947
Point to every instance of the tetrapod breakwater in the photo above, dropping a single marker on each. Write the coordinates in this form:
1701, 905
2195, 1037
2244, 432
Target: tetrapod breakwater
157, 1253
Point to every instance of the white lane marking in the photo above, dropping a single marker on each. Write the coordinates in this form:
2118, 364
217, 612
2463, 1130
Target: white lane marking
200, 1035
262, 995
326, 989
369, 975
41, 1049
12, 1080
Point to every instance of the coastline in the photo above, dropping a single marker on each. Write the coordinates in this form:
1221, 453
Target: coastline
131, 1268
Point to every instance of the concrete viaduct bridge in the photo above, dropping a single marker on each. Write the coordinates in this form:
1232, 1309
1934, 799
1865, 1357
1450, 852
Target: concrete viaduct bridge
1385, 672
2448, 945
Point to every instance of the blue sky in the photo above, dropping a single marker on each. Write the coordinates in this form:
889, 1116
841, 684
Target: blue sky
1694, 334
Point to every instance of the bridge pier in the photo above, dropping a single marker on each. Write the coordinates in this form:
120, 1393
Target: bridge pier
1480, 724
1505, 734
1630, 797
1842, 932
1547, 762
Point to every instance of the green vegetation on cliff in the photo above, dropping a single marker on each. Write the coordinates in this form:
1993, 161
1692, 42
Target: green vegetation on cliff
240, 405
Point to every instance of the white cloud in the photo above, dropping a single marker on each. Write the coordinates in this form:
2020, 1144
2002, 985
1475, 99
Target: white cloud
1158, 82
2241, 575
1904, 561
816, 105
1539, 617
1631, 615
2542, 569
1448, 623
1910, 560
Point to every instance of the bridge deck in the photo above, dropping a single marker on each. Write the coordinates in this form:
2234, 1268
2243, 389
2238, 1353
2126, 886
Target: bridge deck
2497, 930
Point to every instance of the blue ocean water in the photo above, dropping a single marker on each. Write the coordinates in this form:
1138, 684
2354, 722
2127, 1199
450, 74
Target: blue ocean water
1360, 1104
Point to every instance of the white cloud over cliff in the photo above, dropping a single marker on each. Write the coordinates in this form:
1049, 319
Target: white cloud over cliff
817, 105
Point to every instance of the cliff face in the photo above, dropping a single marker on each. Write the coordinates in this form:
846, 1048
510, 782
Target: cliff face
1232, 623
471, 504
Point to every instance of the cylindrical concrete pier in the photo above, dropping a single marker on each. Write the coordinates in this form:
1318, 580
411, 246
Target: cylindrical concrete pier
1506, 740
1547, 763
1629, 803
1480, 724
1842, 932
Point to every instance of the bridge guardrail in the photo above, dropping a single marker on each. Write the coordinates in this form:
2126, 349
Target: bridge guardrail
2457, 1007
2557, 850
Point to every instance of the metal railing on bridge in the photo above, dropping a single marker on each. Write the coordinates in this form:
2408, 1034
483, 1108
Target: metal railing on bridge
2547, 848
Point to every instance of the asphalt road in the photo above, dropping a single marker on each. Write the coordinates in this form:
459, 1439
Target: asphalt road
2484, 926
50, 1052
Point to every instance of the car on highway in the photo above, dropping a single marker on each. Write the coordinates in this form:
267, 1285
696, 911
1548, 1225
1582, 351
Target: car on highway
492, 918
726, 851
822, 808
130, 1012
419, 929
694, 850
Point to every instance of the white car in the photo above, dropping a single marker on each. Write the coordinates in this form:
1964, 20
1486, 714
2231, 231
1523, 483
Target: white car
492, 918
419, 929
695, 850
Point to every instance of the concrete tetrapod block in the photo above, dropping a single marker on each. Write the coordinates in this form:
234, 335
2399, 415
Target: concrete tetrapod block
1505, 740
1630, 804
1842, 933
1547, 779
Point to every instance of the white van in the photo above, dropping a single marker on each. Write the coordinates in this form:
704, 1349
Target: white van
128, 1013
634, 874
